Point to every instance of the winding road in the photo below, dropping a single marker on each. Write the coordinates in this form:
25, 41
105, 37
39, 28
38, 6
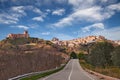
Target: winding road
72, 71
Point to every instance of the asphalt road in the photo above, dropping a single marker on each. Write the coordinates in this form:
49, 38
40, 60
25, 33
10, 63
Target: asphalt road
72, 71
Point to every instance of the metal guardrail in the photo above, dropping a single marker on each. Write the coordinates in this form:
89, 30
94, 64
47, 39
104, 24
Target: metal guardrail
24, 75
33, 73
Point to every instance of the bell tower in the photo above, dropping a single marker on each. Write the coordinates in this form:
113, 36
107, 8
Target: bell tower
25, 32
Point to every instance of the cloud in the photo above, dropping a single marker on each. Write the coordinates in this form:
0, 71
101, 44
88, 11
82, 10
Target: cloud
41, 17
114, 7
7, 21
92, 14
49, 2
59, 12
33, 25
26, 27
93, 26
36, 10
104, 1
48, 10
12, 15
61, 1
19, 9
87, 11
81, 3
63, 22
111, 33
63, 36
45, 33
33, 2
39, 12
38, 19
21, 27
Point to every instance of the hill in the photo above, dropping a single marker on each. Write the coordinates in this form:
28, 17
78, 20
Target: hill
24, 55
78, 44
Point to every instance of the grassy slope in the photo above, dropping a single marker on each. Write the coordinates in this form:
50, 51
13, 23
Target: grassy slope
110, 71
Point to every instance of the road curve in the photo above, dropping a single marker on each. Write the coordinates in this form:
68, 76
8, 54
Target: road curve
72, 71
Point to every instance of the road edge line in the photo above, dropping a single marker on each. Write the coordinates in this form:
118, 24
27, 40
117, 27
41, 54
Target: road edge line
71, 71
55, 73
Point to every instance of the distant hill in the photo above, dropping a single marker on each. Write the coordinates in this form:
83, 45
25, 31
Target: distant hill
77, 44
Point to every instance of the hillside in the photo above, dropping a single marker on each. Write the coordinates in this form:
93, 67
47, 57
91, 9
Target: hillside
20, 56
25, 55
79, 44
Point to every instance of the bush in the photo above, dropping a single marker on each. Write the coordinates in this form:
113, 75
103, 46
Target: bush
49, 43
21, 41
116, 56
81, 55
100, 54
73, 55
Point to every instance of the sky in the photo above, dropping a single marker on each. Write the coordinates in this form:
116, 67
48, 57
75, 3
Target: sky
64, 19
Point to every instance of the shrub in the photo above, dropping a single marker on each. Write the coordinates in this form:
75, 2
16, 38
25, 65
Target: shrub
81, 55
100, 54
116, 56
73, 55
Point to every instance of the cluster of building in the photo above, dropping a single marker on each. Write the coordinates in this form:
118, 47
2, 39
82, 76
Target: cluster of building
68, 43
14, 36
117, 42
76, 42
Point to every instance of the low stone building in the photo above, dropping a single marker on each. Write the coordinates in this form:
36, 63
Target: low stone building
14, 36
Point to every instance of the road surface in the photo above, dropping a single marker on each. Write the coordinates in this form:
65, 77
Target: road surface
72, 71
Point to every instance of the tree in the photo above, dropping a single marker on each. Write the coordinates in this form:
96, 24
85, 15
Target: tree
73, 55
100, 54
116, 56
81, 55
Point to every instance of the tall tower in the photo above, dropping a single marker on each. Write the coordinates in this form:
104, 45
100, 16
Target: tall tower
25, 32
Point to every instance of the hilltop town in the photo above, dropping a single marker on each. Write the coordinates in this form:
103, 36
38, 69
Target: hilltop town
82, 41
69, 43
117, 42
75, 42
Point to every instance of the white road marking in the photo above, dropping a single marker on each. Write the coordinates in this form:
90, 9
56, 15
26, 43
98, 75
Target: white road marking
69, 77
71, 71
85, 73
57, 72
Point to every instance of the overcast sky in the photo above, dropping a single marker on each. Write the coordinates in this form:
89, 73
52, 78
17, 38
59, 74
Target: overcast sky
64, 19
